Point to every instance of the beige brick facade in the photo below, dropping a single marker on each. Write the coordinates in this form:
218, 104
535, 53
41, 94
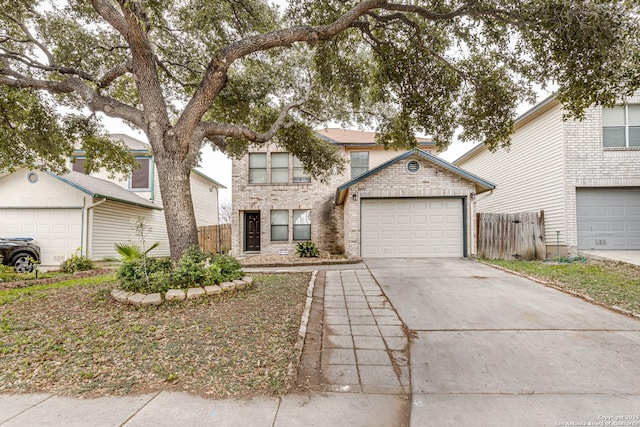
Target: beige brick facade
395, 182
335, 228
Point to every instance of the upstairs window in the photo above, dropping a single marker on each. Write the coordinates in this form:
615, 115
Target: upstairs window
621, 126
299, 175
279, 168
78, 164
141, 176
258, 168
359, 163
302, 224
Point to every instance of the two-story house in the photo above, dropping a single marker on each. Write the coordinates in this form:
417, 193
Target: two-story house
386, 203
585, 175
91, 213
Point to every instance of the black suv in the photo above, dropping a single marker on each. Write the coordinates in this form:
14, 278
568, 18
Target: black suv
20, 253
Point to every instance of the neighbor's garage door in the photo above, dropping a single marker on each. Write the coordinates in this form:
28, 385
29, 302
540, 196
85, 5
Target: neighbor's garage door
608, 218
56, 231
412, 228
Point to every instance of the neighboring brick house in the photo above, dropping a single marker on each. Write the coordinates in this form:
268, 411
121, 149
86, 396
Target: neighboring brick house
585, 175
385, 203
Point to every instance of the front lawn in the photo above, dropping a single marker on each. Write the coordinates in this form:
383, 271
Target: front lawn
71, 338
609, 283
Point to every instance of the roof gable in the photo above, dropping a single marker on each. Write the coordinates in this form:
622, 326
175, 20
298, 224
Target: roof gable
481, 184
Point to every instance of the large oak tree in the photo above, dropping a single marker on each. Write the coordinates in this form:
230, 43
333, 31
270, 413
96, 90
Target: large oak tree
238, 72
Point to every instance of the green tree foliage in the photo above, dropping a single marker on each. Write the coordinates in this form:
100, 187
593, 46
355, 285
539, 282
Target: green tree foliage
33, 134
246, 72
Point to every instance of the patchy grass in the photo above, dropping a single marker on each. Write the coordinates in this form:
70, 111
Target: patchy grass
71, 338
609, 283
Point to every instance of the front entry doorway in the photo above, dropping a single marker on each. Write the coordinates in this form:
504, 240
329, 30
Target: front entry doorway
252, 232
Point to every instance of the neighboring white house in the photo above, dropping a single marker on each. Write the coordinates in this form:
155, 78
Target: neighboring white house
585, 175
386, 203
90, 214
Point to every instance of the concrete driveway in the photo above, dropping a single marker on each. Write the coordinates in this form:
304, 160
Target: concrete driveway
494, 349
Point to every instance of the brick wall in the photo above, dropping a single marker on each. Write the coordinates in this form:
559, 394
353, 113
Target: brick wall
317, 196
589, 164
395, 181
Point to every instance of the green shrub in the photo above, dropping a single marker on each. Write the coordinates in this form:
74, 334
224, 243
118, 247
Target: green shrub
230, 268
191, 269
140, 274
196, 268
76, 262
307, 249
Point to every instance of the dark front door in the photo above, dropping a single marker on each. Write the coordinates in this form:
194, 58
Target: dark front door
252, 231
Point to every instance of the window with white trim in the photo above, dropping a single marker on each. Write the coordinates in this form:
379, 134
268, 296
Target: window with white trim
299, 175
279, 168
141, 175
279, 225
359, 163
621, 126
258, 168
302, 224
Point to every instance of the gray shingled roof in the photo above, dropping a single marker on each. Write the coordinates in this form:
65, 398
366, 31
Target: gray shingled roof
100, 188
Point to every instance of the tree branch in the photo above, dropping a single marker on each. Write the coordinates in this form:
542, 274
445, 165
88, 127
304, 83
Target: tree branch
110, 14
32, 39
118, 71
216, 73
212, 130
94, 101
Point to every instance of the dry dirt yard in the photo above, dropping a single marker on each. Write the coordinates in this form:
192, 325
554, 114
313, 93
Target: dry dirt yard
75, 340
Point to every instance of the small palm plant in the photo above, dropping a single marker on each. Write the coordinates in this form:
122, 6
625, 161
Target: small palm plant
307, 249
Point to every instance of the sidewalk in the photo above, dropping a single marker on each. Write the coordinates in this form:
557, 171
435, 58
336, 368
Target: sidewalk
179, 409
363, 363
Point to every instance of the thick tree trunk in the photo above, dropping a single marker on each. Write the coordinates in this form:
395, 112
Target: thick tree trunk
179, 215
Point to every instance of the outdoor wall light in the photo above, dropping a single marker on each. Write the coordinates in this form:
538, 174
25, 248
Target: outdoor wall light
354, 196
472, 195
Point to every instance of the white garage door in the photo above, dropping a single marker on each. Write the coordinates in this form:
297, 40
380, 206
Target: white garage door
56, 231
412, 228
608, 218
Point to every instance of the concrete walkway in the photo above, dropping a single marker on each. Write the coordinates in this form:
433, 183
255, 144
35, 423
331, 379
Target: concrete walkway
630, 257
364, 345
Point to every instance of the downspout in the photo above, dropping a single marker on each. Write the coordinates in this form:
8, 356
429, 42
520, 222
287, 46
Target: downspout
86, 217
218, 219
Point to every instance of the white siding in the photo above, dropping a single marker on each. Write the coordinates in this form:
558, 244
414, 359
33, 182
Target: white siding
205, 200
113, 223
529, 176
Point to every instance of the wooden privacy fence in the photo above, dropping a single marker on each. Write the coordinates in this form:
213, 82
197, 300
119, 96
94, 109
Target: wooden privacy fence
511, 236
215, 238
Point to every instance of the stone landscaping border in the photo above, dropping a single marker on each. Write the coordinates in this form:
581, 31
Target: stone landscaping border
138, 299
304, 322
